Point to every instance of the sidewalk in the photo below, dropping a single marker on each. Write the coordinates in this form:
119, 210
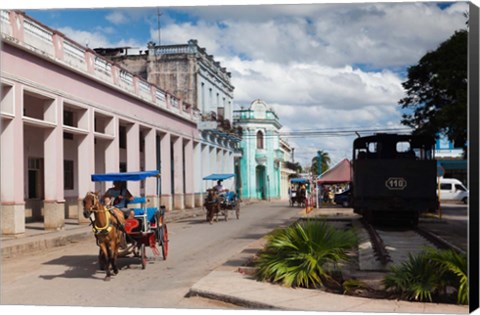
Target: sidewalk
232, 282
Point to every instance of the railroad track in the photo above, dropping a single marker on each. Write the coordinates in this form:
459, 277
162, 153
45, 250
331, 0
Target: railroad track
380, 248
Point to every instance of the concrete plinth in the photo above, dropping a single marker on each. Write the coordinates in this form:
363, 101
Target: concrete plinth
179, 202
167, 202
189, 201
13, 219
54, 215
199, 200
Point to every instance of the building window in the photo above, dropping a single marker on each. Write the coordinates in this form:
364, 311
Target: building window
68, 175
259, 140
68, 118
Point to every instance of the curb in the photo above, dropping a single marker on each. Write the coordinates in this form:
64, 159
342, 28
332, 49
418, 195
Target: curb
28, 244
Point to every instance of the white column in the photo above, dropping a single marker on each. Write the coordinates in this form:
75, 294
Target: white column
12, 216
190, 174
205, 166
86, 167
54, 202
165, 160
151, 164
112, 151
197, 167
178, 193
133, 156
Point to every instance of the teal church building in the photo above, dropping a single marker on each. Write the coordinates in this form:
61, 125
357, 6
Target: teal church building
259, 167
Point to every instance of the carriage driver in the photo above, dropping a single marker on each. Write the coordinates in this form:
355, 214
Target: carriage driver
120, 195
219, 187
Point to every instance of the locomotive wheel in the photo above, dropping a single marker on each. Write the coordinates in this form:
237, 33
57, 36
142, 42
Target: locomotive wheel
143, 255
164, 241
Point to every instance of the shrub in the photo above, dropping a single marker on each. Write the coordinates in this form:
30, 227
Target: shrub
298, 256
426, 276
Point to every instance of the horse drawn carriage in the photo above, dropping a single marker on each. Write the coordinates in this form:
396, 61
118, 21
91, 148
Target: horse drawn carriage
118, 236
219, 201
298, 192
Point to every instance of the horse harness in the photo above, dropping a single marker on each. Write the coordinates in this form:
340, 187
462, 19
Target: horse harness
104, 230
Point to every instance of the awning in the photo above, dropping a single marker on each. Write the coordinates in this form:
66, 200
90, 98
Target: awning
340, 173
218, 176
127, 176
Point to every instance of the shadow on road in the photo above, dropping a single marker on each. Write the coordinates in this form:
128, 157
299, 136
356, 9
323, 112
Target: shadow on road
84, 266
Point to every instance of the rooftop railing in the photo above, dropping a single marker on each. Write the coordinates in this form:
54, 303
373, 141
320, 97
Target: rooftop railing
19, 29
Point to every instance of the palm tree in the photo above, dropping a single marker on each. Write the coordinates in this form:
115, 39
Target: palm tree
325, 163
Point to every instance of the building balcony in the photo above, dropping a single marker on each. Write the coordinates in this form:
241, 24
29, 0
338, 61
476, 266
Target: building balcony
279, 155
261, 156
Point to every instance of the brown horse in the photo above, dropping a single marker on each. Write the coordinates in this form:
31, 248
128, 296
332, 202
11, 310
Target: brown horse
212, 204
107, 227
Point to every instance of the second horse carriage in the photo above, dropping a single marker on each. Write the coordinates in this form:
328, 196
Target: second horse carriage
118, 236
298, 192
220, 201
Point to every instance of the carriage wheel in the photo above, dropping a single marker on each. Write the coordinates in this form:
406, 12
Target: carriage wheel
164, 241
143, 255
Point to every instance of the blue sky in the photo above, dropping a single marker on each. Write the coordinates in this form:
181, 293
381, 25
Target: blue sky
318, 65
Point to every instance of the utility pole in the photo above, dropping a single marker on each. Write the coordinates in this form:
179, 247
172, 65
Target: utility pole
319, 170
159, 14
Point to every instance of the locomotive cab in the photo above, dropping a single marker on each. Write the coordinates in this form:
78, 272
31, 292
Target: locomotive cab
394, 177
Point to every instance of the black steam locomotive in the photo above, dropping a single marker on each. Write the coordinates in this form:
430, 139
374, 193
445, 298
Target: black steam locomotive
394, 178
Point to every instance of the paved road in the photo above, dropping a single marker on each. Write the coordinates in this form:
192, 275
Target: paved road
69, 275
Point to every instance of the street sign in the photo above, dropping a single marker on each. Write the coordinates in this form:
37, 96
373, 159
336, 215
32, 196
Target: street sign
396, 183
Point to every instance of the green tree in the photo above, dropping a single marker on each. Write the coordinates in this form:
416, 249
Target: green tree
325, 163
436, 101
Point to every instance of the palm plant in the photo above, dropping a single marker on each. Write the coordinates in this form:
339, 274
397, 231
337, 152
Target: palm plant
455, 269
415, 279
429, 274
298, 255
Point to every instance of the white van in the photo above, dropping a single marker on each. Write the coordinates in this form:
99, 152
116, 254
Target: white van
453, 189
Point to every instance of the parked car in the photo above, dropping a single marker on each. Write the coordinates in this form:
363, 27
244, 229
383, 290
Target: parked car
453, 189
343, 198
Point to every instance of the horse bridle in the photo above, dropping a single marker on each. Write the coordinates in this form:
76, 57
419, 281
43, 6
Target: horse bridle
94, 207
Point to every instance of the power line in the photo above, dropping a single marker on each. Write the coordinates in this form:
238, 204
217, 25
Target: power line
331, 132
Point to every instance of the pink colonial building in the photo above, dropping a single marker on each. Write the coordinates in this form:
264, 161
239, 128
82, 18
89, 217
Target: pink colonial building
67, 112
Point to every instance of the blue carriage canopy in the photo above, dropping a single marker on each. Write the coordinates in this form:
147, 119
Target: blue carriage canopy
127, 176
299, 180
218, 176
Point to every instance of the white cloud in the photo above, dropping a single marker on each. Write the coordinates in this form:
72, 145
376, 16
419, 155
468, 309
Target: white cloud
319, 66
98, 38
116, 17
90, 39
